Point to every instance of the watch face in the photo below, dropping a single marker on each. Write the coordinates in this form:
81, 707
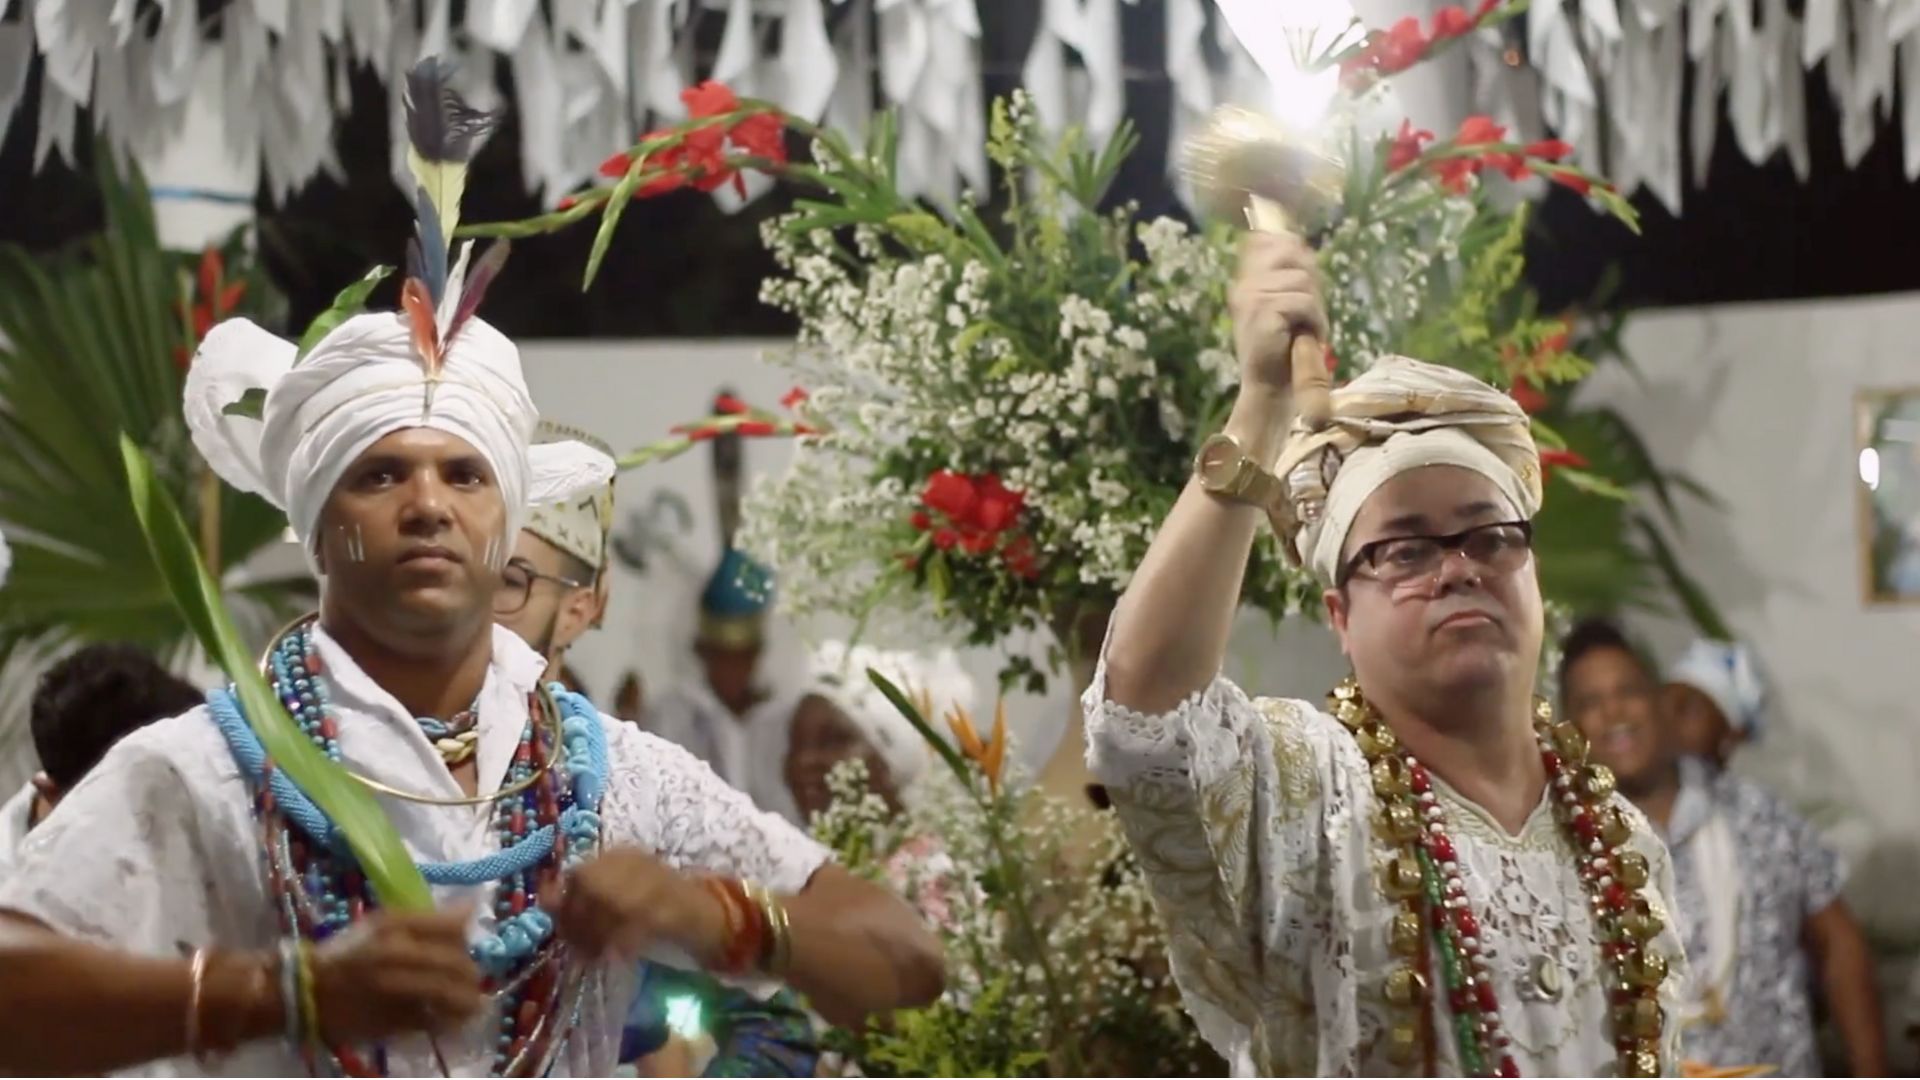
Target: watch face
1219, 461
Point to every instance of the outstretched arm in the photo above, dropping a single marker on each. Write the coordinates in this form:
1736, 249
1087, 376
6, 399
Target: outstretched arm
1170, 631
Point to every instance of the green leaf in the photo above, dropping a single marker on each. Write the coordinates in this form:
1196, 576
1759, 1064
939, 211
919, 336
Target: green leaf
374, 842
906, 708
1693, 599
252, 404
346, 304
1594, 484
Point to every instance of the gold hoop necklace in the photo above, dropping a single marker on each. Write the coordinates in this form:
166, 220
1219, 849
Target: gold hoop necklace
541, 700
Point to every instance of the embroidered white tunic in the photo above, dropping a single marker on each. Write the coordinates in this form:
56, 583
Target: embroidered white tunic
158, 851
1253, 821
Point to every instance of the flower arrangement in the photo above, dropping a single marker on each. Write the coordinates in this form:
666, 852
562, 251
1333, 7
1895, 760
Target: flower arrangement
1055, 964
1004, 400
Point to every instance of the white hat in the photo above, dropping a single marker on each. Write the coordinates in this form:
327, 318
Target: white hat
1727, 673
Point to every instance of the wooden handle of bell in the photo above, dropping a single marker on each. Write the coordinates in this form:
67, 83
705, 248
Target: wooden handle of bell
1312, 384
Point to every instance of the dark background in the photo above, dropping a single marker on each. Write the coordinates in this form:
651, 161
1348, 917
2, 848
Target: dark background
679, 267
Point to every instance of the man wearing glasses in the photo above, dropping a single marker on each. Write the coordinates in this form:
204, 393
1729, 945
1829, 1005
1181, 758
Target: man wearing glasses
1422, 876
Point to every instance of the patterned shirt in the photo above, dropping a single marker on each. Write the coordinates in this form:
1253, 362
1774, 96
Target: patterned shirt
1755, 1001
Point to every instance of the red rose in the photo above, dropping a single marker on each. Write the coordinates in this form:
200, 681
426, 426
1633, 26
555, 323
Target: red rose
1475, 130
709, 99
921, 521
762, 135
950, 493
1406, 146
1402, 46
994, 513
793, 397
977, 543
1019, 557
1548, 149
1450, 22
945, 539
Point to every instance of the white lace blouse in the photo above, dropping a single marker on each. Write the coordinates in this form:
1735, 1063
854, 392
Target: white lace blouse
1253, 822
158, 851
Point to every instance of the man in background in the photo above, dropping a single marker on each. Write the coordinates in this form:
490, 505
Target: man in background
83, 705
1714, 698
1757, 890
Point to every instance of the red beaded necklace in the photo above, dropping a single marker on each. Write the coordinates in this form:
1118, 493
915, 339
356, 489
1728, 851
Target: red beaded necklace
1437, 924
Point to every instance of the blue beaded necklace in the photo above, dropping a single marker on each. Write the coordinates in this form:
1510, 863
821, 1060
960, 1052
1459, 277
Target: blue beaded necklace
544, 828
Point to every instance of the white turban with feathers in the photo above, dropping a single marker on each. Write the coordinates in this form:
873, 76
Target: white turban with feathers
1399, 415
359, 384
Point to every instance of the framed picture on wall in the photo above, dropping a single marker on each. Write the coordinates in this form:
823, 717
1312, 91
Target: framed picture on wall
1887, 430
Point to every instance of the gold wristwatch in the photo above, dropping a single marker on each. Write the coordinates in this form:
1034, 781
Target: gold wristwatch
1224, 469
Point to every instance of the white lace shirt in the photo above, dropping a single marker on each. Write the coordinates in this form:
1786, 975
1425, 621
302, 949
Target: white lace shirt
1253, 820
158, 851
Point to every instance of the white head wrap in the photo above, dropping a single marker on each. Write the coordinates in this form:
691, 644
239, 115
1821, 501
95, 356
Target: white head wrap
1728, 674
840, 673
1399, 415
578, 524
363, 382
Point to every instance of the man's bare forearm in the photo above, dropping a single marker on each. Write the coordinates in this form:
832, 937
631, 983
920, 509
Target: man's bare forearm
1846, 978
1170, 631
67, 1007
859, 951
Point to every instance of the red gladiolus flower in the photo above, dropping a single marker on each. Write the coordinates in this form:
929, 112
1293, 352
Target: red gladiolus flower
1450, 22
1486, 8
1556, 342
672, 180
710, 98
793, 397
1527, 397
950, 493
1402, 47
945, 539
1514, 165
728, 405
1357, 72
1554, 459
755, 428
1579, 184
1406, 146
617, 165
567, 202
761, 135
1548, 149
1456, 174
1475, 130
212, 269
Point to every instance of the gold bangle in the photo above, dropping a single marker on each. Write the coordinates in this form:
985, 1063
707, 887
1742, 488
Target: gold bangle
309, 999
777, 957
197, 984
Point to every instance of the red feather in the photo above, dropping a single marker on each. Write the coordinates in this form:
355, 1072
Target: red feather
426, 339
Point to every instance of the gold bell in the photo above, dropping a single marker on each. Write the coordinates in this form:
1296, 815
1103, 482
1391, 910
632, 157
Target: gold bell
1404, 937
1542, 710
1403, 1044
1350, 714
1640, 924
1614, 830
1644, 969
1630, 868
1599, 782
1571, 742
1403, 878
1376, 740
1638, 1019
1398, 823
1346, 689
1390, 778
1406, 987
1643, 1063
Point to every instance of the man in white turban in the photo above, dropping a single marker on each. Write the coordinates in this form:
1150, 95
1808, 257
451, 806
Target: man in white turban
1422, 876
1715, 698
187, 904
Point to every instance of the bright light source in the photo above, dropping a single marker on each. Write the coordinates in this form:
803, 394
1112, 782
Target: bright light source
1282, 36
683, 1016
1870, 468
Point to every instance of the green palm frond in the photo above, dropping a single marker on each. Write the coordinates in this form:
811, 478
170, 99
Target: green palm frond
88, 346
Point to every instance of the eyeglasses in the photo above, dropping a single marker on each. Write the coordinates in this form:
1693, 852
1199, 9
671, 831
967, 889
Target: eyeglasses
516, 586
1499, 548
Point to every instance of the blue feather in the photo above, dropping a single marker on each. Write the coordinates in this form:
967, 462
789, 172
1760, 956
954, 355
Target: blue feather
433, 246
